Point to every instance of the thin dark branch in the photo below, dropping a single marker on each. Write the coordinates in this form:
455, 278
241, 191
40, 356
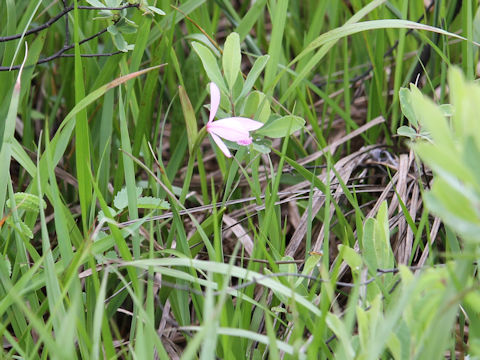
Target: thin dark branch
61, 53
58, 17
56, 56
67, 46
94, 55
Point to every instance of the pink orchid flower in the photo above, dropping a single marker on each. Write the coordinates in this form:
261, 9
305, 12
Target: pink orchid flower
233, 128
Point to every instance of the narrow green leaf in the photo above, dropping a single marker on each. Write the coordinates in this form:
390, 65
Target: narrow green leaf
190, 119
82, 133
406, 105
253, 75
275, 47
8, 137
210, 65
128, 167
247, 22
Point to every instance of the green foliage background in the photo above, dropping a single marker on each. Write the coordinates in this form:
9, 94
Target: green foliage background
125, 233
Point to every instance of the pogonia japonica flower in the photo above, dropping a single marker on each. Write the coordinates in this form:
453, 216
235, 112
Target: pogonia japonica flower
233, 128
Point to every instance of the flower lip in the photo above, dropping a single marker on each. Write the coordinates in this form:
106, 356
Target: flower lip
232, 128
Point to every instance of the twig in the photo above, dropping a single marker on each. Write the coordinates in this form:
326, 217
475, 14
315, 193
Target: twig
59, 16
67, 46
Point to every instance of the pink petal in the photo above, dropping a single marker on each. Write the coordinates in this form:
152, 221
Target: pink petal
244, 123
221, 145
234, 128
214, 100
225, 130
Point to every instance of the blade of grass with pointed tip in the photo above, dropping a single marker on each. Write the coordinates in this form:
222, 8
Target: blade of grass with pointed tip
327, 40
129, 170
250, 18
235, 271
275, 47
8, 137
82, 133
56, 306
190, 119
98, 317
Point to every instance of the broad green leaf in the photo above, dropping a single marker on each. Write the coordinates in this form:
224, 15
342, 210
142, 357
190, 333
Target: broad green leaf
121, 199
455, 209
471, 154
465, 97
126, 26
257, 107
113, 30
113, 3
262, 147
473, 299
289, 267
339, 328
430, 117
363, 327
120, 42
368, 245
445, 162
395, 346
383, 248
407, 131
156, 10
312, 262
282, 126
231, 59
351, 257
